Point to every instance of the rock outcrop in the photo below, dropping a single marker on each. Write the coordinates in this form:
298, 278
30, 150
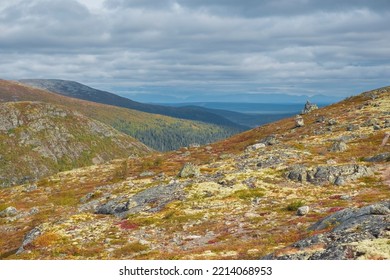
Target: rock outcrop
357, 234
150, 200
189, 170
334, 174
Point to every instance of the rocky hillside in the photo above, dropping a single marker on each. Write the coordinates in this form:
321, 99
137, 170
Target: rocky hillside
40, 139
156, 131
316, 186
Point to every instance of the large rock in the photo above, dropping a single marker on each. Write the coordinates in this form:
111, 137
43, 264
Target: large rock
8, 212
189, 170
328, 173
299, 121
255, 147
309, 107
29, 238
379, 158
338, 146
269, 140
356, 234
150, 200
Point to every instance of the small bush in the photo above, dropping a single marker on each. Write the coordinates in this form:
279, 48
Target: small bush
248, 194
131, 248
293, 206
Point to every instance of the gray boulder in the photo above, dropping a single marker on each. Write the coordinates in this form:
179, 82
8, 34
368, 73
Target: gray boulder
379, 158
303, 210
255, 147
150, 200
269, 140
9, 212
338, 146
189, 170
299, 121
29, 238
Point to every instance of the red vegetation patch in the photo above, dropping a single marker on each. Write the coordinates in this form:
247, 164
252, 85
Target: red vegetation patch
127, 225
335, 209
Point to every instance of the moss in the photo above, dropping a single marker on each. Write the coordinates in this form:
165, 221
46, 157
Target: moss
129, 249
248, 194
293, 206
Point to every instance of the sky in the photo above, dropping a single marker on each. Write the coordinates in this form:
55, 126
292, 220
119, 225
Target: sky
177, 48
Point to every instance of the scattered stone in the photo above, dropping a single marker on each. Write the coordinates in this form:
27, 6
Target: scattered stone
255, 147
385, 139
371, 122
303, 210
340, 181
379, 158
298, 173
338, 146
320, 119
30, 188
194, 145
352, 127
189, 170
376, 127
332, 122
147, 174
345, 197
299, 121
186, 154
29, 238
9, 212
270, 161
309, 107
269, 140
33, 211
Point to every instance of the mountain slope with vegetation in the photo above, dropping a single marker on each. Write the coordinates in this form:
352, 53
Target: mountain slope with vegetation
315, 186
156, 131
39, 139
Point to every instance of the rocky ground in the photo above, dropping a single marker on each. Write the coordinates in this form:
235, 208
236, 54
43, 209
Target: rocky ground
314, 187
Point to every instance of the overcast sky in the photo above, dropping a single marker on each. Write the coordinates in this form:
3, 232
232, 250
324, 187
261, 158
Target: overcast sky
181, 47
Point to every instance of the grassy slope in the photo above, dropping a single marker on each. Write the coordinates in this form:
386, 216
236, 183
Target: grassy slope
156, 131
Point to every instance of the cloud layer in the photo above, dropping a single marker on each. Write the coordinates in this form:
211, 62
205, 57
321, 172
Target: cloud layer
206, 47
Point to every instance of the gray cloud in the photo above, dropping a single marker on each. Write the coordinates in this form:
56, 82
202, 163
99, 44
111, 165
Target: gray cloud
180, 46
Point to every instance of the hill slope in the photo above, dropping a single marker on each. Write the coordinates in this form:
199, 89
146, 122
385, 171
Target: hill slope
255, 195
80, 91
40, 139
156, 131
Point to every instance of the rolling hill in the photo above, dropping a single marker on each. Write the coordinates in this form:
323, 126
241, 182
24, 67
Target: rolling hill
156, 131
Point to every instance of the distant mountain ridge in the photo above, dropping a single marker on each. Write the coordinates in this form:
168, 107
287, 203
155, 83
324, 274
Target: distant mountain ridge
80, 91
156, 131
274, 98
